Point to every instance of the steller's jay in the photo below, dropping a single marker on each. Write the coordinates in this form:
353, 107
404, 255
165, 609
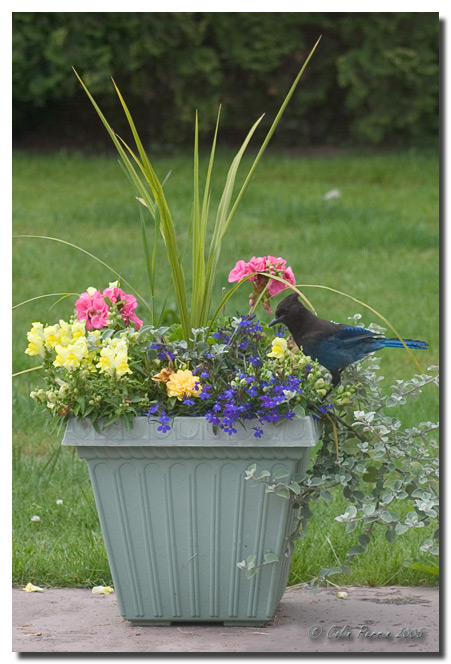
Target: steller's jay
334, 345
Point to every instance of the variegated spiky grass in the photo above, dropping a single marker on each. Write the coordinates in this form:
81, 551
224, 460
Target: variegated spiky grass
151, 193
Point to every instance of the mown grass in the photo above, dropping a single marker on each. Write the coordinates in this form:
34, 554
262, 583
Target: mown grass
378, 242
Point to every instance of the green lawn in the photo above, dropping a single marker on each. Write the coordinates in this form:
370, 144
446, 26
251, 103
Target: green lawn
378, 242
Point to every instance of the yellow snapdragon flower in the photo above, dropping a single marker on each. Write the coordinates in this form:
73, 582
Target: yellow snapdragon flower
70, 356
182, 384
78, 329
114, 358
36, 340
68, 333
51, 336
64, 333
279, 348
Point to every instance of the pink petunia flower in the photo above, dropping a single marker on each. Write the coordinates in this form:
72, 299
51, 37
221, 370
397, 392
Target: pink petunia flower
92, 308
277, 263
126, 305
128, 312
261, 269
114, 294
240, 271
257, 264
276, 287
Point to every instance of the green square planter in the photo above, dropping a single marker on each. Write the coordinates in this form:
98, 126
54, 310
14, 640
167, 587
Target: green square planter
177, 515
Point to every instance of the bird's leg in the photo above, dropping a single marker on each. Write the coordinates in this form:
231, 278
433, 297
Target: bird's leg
336, 377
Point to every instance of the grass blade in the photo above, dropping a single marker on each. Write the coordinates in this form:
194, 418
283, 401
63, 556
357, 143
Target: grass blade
225, 215
19, 373
148, 259
198, 258
167, 226
269, 135
38, 297
220, 228
74, 246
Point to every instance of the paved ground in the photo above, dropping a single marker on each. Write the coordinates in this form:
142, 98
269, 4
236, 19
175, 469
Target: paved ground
74, 620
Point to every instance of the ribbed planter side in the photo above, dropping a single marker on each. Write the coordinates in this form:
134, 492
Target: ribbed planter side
177, 515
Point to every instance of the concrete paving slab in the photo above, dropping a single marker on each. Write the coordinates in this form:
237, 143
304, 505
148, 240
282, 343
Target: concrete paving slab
370, 620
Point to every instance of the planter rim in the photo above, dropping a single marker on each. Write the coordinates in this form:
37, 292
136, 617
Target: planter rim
193, 432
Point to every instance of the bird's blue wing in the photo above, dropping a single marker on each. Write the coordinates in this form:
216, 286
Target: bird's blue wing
350, 335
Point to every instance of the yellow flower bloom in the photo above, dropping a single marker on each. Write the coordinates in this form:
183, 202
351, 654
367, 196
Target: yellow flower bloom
30, 588
114, 358
78, 329
35, 340
64, 333
183, 384
70, 356
102, 590
51, 336
279, 348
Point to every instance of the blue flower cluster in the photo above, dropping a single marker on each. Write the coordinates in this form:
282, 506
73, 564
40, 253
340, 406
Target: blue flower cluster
163, 352
237, 384
252, 397
163, 417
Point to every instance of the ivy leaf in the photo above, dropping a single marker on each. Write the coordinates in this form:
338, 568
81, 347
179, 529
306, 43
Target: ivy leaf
386, 516
390, 535
279, 474
299, 411
250, 562
364, 540
401, 528
346, 570
270, 558
387, 497
335, 570
316, 481
356, 549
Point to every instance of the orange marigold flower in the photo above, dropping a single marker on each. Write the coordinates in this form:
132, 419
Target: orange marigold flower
183, 384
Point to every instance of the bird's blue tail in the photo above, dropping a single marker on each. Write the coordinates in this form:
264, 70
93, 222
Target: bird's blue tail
410, 343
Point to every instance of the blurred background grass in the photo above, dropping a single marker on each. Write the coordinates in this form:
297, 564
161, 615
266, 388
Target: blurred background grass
377, 241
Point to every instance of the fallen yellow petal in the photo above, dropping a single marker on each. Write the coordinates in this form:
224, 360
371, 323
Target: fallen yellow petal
342, 595
102, 590
30, 588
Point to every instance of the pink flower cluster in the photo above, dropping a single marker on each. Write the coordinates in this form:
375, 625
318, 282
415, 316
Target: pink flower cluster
269, 265
92, 307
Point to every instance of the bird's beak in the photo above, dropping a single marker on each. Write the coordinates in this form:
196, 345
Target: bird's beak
274, 322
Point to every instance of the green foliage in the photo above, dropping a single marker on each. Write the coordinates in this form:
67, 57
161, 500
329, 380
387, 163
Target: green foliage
388, 474
376, 80
394, 62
